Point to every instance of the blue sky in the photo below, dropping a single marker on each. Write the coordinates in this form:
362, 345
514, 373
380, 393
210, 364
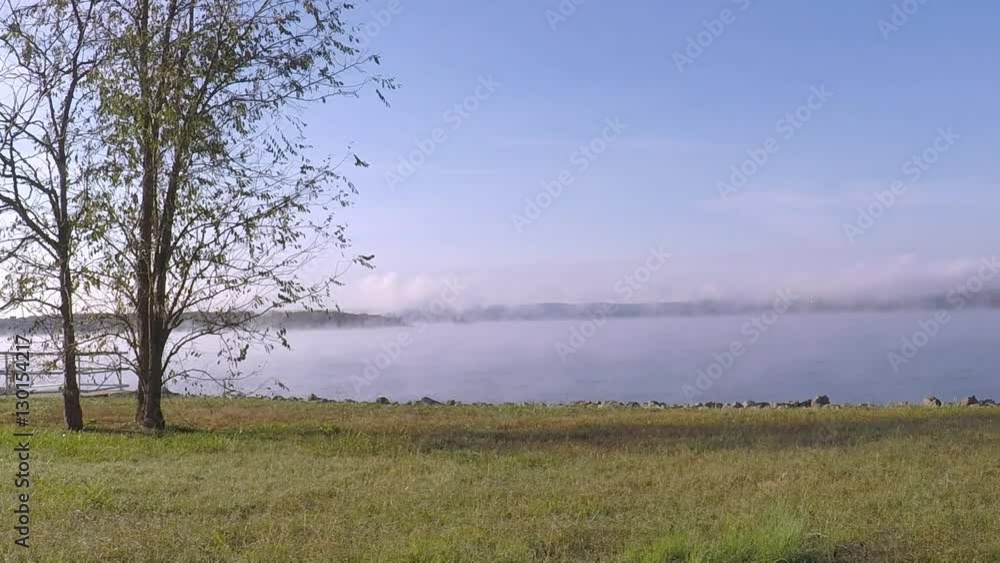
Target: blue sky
656, 184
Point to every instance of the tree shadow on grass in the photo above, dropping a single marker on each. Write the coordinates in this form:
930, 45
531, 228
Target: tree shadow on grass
694, 433
129, 429
261, 432
714, 435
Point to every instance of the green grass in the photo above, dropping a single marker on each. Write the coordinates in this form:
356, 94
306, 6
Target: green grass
256, 480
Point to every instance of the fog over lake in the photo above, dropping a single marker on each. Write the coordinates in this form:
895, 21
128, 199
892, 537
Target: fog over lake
844, 355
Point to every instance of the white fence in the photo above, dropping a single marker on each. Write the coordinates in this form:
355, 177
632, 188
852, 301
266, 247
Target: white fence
99, 373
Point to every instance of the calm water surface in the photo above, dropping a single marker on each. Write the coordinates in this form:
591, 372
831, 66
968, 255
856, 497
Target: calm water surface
843, 355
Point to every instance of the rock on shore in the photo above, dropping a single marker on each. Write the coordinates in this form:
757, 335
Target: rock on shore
821, 401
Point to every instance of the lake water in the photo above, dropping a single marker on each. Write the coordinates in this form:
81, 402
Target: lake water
843, 355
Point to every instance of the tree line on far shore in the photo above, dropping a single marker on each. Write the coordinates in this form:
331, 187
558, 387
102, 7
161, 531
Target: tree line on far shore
155, 174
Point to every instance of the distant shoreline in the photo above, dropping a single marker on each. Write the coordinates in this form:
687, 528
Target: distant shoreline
296, 320
547, 312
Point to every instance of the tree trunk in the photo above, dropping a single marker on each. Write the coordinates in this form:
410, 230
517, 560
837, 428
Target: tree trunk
140, 400
145, 313
71, 386
152, 414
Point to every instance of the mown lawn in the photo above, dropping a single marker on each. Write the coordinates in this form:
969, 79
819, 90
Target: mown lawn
256, 480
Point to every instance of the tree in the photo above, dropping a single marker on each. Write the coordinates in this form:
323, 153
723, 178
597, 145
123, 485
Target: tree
48, 52
214, 204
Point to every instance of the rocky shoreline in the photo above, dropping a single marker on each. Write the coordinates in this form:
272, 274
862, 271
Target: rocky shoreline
821, 401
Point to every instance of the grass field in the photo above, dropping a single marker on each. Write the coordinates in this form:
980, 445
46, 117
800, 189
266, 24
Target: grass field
257, 480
